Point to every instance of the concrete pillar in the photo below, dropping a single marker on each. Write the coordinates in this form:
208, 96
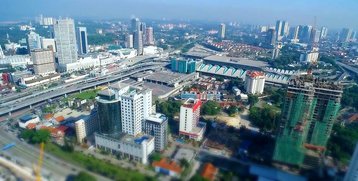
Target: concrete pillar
10, 113
30, 106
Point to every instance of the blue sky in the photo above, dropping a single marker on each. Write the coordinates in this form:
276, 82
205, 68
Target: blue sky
332, 13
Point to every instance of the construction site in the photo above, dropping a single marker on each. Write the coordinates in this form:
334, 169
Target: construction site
310, 108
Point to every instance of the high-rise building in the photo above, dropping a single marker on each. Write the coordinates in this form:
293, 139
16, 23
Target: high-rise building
156, 125
86, 126
33, 41
183, 66
82, 42
315, 34
2, 55
324, 32
48, 43
109, 112
282, 29
271, 37
65, 38
352, 173
353, 36
305, 34
129, 40
310, 56
310, 108
345, 35
138, 42
135, 23
222, 30
136, 104
296, 33
149, 36
189, 120
43, 61
254, 82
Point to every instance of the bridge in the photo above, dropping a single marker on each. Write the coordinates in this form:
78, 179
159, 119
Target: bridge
33, 99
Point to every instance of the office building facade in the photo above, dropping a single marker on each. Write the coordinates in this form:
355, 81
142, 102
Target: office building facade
310, 108
65, 38
156, 125
48, 43
129, 40
82, 42
43, 61
109, 112
86, 126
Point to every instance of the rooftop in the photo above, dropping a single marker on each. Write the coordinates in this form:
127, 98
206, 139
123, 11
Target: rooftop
168, 165
209, 171
192, 103
184, 153
123, 137
238, 61
254, 74
158, 118
27, 117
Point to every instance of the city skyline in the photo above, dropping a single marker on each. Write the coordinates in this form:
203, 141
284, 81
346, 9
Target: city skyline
255, 12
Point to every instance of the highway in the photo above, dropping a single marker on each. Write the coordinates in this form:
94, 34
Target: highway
347, 67
38, 97
27, 155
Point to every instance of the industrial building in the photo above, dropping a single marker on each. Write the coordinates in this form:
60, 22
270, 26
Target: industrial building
310, 108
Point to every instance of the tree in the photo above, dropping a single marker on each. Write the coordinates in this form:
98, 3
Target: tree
184, 163
36, 136
198, 177
232, 110
253, 99
264, 118
84, 176
211, 108
155, 157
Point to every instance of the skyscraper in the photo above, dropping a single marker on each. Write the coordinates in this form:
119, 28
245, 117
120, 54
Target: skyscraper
44, 61
135, 23
33, 41
310, 108
65, 37
315, 34
345, 35
138, 41
1, 53
271, 37
324, 32
296, 33
149, 36
129, 40
282, 29
305, 35
109, 112
82, 42
222, 30
48, 43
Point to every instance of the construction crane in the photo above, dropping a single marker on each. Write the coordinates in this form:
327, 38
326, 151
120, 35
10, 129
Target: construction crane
39, 163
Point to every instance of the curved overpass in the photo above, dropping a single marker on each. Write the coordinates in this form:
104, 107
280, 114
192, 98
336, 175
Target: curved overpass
30, 100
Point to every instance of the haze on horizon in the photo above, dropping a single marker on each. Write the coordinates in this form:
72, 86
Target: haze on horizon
331, 13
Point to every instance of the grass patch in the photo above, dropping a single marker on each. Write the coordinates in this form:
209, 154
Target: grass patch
96, 165
86, 95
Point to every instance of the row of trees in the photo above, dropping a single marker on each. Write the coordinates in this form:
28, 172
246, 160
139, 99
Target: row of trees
36, 137
211, 108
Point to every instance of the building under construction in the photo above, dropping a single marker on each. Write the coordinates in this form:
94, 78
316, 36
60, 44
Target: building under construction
309, 111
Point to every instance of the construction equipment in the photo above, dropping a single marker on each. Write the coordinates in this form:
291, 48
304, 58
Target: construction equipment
39, 164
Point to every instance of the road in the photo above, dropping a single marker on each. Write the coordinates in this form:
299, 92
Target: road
27, 101
27, 155
348, 67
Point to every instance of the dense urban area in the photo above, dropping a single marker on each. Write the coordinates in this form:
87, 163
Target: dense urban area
130, 99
